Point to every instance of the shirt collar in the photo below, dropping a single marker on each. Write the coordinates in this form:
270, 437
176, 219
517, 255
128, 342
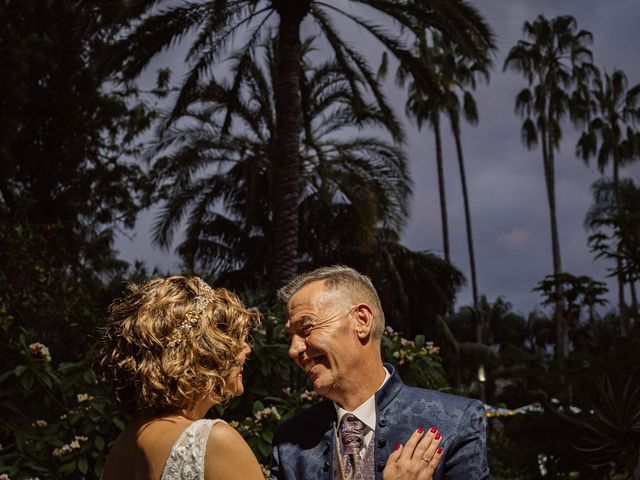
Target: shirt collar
366, 412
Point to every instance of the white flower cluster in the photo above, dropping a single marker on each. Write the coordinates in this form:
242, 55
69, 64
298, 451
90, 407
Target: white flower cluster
265, 471
69, 447
40, 351
269, 413
40, 424
407, 343
84, 397
308, 396
4, 476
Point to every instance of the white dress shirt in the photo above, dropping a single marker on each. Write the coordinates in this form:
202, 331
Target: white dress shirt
366, 413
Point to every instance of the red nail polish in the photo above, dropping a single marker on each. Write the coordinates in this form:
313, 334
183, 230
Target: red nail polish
398, 445
433, 430
420, 430
439, 450
437, 437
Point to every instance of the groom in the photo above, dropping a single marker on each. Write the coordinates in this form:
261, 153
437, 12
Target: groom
335, 323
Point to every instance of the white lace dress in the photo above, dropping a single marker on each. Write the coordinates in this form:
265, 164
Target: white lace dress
186, 460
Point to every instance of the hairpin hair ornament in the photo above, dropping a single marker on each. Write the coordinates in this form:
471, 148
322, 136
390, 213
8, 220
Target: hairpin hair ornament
192, 317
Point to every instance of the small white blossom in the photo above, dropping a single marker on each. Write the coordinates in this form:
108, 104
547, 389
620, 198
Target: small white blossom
269, 413
69, 447
286, 391
4, 476
40, 424
84, 397
40, 351
308, 396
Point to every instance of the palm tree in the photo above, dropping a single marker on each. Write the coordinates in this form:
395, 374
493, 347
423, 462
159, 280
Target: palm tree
457, 76
611, 135
615, 229
453, 73
427, 107
555, 59
221, 183
217, 27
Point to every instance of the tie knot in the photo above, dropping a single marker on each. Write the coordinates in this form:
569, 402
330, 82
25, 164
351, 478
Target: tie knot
351, 434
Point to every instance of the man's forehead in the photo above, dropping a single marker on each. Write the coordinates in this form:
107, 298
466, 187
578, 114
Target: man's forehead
307, 296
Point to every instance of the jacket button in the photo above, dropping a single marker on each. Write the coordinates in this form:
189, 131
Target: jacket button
326, 466
380, 467
382, 422
381, 443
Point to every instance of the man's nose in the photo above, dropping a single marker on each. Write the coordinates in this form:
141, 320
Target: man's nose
297, 346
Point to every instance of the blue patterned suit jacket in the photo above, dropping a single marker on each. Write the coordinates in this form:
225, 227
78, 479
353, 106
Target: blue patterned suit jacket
303, 446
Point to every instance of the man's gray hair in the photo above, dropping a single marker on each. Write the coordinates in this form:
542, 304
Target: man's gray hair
339, 277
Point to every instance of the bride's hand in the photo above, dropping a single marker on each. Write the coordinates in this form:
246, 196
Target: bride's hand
417, 460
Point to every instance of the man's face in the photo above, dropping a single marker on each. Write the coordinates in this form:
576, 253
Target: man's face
323, 336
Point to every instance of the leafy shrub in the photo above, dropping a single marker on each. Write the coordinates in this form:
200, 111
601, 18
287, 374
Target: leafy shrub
57, 422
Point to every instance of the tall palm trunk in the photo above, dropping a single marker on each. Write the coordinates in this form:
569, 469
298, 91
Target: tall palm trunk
455, 127
286, 187
624, 330
443, 197
562, 334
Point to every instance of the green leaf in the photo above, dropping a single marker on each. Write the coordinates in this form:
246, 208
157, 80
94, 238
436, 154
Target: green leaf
19, 370
257, 406
83, 466
99, 443
264, 448
420, 341
26, 381
118, 423
67, 468
267, 436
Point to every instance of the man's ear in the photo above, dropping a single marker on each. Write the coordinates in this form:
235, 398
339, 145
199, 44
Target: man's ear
364, 320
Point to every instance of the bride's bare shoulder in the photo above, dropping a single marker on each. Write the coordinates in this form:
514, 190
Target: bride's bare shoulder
228, 457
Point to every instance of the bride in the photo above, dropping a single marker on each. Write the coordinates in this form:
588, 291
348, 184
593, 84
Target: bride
175, 347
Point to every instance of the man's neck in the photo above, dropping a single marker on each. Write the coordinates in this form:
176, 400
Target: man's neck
360, 388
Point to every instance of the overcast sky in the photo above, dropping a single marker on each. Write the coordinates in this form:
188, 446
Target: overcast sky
506, 183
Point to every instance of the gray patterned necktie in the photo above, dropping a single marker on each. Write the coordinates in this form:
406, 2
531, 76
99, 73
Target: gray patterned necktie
352, 437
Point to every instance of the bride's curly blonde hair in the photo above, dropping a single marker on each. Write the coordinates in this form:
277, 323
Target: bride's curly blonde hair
165, 347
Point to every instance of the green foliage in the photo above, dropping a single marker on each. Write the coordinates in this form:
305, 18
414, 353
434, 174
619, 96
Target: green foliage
56, 421
616, 228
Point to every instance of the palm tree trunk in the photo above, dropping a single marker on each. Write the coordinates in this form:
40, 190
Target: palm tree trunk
443, 197
624, 330
467, 214
562, 347
634, 298
286, 188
